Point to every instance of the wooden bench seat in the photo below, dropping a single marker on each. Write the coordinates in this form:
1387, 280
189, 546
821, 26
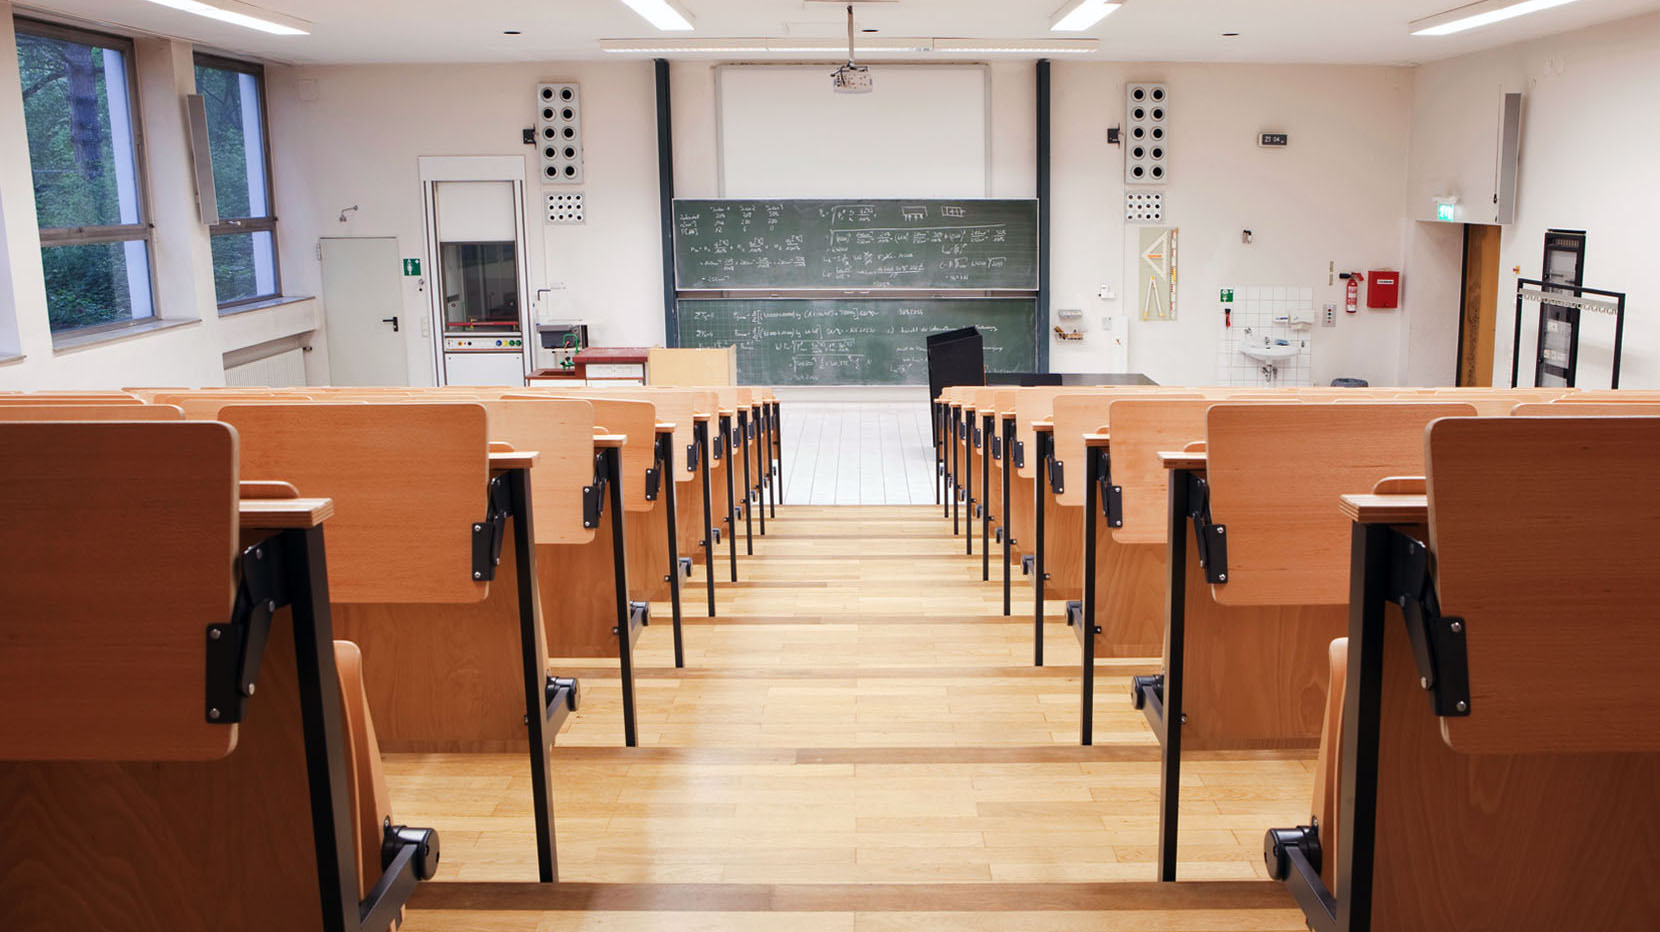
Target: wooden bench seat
1507, 776
424, 509
147, 783
1256, 589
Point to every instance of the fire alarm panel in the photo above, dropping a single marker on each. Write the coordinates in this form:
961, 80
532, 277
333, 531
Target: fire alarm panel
1383, 290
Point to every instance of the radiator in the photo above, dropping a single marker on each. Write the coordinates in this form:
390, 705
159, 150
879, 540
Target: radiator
282, 370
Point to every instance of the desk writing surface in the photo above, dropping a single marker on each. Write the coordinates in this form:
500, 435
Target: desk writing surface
283, 513
1372, 508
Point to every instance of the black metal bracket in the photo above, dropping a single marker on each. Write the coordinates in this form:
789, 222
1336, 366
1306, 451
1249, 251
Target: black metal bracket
593, 496
1027, 563
1293, 856
654, 483
996, 447
998, 535
686, 567
408, 856
1438, 644
1075, 621
1148, 691
235, 649
1112, 496
1020, 454
1278, 843
1209, 539
979, 438
691, 457
639, 616
1057, 475
489, 534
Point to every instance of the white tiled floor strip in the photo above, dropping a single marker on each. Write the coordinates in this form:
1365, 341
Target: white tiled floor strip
857, 454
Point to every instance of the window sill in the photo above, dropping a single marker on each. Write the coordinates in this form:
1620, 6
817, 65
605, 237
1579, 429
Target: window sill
76, 340
7, 359
262, 304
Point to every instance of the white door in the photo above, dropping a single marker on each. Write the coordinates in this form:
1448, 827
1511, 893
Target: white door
363, 302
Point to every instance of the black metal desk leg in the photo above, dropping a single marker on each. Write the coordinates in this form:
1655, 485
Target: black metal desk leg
1362, 709
731, 501
939, 452
985, 497
324, 726
619, 574
968, 493
1175, 637
700, 433
778, 455
666, 488
1092, 472
1008, 529
749, 484
533, 648
1038, 486
955, 483
763, 465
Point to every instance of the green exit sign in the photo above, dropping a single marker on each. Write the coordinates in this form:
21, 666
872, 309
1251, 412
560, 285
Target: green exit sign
1227, 296
1446, 211
412, 267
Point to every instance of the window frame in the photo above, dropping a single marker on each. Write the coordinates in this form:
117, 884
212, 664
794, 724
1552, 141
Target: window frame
234, 225
104, 234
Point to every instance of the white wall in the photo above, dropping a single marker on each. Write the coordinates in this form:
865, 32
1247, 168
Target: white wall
1589, 138
1333, 195
356, 142
188, 355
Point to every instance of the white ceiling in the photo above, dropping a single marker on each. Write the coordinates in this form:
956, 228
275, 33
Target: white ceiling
1281, 31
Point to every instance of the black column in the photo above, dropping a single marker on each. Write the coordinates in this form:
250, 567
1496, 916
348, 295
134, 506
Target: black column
1044, 211
665, 195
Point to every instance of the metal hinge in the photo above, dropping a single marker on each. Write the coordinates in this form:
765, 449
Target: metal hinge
1112, 496
593, 496
234, 649
654, 482
489, 533
996, 447
1020, 454
691, 457
1438, 641
1057, 475
1210, 540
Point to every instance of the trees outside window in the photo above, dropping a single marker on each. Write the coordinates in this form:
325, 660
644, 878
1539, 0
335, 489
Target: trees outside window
244, 239
87, 166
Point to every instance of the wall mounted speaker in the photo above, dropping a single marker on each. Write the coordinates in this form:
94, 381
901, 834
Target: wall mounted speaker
559, 132
565, 207
1146, 134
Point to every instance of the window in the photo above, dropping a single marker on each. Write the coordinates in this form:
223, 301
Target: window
78, 95
245, 238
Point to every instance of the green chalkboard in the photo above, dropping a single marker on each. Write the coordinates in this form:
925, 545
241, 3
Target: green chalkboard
855, 244
854, 341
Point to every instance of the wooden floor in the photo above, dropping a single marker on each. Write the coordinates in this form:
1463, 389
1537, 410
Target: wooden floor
859, 741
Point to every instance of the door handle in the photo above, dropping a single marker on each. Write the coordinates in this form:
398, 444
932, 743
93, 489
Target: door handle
391, 320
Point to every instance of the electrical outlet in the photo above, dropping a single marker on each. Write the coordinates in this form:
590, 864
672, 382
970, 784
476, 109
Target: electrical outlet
1328, 316
1106, 293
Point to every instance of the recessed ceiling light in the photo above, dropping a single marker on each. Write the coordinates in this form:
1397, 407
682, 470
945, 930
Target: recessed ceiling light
1476, 15
1230, 35
666, 15
511, 32
241, 14
1080, 15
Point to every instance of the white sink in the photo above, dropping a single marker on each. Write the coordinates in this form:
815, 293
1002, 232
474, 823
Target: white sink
1269, 354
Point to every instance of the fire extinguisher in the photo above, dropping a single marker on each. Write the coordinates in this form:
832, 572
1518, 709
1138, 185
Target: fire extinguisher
1352, 303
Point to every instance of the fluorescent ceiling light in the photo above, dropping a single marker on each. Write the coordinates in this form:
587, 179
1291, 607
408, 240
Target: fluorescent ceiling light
664, 14
241, 14
827, 47
1018, 46
1081, 15
1477, 15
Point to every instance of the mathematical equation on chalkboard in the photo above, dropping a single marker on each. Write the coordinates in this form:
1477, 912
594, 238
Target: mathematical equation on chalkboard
806, 244
877, 341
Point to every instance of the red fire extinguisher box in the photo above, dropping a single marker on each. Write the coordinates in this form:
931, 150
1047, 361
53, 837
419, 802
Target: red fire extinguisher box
1383, 289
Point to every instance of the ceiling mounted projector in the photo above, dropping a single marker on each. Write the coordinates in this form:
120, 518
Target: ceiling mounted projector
851, 78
